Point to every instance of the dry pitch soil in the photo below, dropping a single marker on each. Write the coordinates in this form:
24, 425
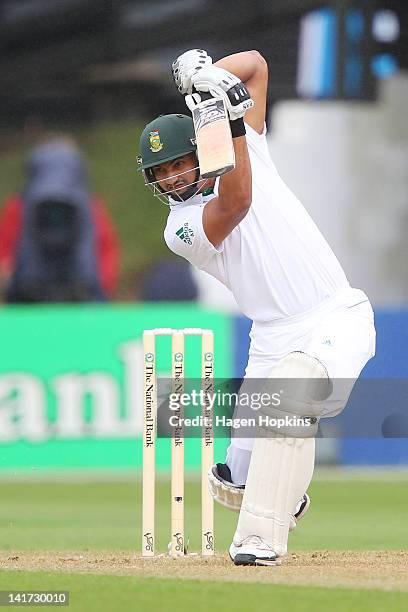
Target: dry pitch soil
385, 570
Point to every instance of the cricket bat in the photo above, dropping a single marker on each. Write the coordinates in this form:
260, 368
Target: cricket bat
215, 149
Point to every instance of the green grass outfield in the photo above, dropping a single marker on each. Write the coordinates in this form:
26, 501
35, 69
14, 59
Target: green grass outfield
355, 514
65, 515
113, 593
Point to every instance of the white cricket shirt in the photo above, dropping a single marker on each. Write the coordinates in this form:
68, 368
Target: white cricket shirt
276, 262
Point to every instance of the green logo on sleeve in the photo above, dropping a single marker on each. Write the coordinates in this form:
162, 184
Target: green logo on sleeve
185, 233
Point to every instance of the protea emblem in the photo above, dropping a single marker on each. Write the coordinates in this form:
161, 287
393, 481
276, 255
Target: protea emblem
155, 143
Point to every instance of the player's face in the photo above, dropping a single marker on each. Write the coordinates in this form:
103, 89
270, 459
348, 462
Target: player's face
176, 175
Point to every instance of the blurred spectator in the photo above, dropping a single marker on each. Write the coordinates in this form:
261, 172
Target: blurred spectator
170, 280
57, 240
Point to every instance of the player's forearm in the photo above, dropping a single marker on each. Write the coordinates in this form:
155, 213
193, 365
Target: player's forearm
222, 214
244, 65
235, 189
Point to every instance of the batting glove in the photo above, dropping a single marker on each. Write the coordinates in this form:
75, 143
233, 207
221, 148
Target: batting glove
192, 101
186, 65
220, 82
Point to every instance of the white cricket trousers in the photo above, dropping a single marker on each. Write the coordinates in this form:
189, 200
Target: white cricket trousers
340, 333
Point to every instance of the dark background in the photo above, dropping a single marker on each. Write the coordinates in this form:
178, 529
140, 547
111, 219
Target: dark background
96, 59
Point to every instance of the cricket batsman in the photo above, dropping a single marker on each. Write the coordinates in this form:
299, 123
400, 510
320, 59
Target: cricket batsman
248, 230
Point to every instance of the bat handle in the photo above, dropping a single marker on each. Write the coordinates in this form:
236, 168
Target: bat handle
205, 95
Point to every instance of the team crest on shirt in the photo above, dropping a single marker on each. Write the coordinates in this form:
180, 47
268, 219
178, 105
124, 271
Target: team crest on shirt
156, 144
185, 233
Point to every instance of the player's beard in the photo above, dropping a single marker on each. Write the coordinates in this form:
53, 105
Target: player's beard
190, 189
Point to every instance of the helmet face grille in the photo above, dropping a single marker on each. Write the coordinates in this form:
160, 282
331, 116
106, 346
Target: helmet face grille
149, 174
165, 138
191, 189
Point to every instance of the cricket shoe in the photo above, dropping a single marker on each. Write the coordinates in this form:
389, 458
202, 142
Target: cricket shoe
222, 488
230, 495
253, 551
301, 508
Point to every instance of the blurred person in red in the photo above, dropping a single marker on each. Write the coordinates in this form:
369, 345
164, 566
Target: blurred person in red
57, 239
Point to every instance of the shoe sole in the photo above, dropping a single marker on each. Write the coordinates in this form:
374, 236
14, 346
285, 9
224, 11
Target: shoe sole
304, 510
246, 559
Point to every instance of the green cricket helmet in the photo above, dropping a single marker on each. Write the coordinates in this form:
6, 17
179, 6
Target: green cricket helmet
166, 138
